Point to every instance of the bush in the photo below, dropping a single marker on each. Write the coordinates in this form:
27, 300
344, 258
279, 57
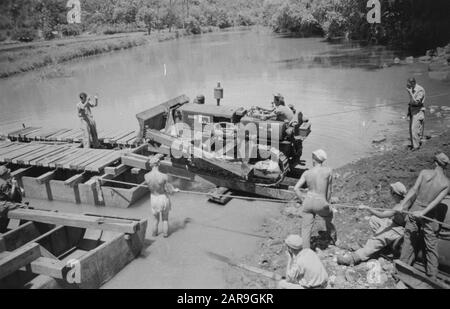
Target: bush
193, 26
24, 34
70, 29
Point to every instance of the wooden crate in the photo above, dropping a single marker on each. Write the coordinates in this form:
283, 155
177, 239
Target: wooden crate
124, 196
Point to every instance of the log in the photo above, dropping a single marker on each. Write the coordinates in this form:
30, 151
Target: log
74, 220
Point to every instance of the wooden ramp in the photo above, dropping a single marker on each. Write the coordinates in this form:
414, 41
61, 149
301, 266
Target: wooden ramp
62, 250
109, 137
64, 156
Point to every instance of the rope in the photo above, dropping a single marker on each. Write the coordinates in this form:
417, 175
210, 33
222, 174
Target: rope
374, 107
348, 206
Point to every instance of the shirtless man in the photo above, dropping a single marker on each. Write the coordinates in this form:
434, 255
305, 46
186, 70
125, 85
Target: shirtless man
88, 125
317, 201
160, 189
430, 189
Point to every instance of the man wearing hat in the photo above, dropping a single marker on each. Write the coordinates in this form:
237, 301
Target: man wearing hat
304, 269
281, 112
423, 199
160, 190
387, 226
317, 201
416, 112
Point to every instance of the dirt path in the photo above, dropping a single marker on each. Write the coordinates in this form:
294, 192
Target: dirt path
180, 261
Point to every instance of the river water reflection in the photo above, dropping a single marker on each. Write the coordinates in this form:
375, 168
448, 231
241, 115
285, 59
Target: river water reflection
318, 78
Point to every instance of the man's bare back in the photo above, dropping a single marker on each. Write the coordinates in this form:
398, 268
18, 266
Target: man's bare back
318, 180
157, 182
431, 185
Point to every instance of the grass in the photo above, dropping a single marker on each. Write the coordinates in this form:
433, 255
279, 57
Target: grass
28, 57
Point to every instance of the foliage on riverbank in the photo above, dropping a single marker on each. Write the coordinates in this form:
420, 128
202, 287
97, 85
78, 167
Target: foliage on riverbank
411, 25
37, 56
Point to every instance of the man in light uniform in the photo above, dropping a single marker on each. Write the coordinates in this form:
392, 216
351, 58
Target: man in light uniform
430, 189
317, 201
387, 226
305, 269
160, 190
88, 125
416, 112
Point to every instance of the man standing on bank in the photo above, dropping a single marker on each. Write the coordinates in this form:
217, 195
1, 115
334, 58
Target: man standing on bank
430, 189
416, 113
160, 190
317, 201
88, 125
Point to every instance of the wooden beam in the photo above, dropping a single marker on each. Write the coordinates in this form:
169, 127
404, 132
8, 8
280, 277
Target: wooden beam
18, 259
116, 170
73, 181
48, 267
20, 172
418, 278
74, 220
46, 177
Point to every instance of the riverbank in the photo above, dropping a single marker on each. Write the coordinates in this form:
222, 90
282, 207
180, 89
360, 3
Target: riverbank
363, 182
21, 57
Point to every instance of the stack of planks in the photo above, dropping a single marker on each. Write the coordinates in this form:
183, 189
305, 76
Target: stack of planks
64, 156
112, 137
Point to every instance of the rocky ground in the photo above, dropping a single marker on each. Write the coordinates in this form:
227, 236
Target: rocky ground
363, 182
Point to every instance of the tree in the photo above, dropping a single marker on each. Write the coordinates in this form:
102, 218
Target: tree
147, 16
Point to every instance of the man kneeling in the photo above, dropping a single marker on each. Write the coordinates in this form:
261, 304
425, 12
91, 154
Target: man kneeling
387, 226
304, 269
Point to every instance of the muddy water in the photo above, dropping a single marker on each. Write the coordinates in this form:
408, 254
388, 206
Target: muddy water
316, 77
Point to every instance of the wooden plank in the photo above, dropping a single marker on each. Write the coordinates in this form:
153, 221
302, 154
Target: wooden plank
64, 156
41, 134
41, 155
46, 177
31, 130
6, 144
12, 148
91, 155
126, 138
19, 160
20, 172
83, 165
120, 136
116, 170
99, 165
18, 259
64, 136
54, 137
48, 267
25, 159
20, 152
70, 158
56, 157
73, 181
422, 278
86, 155
22, 131
74, 220
57, 151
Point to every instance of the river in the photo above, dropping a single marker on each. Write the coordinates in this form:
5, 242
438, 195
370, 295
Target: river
318, 78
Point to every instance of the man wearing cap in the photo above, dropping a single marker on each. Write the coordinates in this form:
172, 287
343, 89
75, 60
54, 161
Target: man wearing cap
317, 201
387, 226
416, 112
160, 190
430, 189
281, 112
304, 269
88, 125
